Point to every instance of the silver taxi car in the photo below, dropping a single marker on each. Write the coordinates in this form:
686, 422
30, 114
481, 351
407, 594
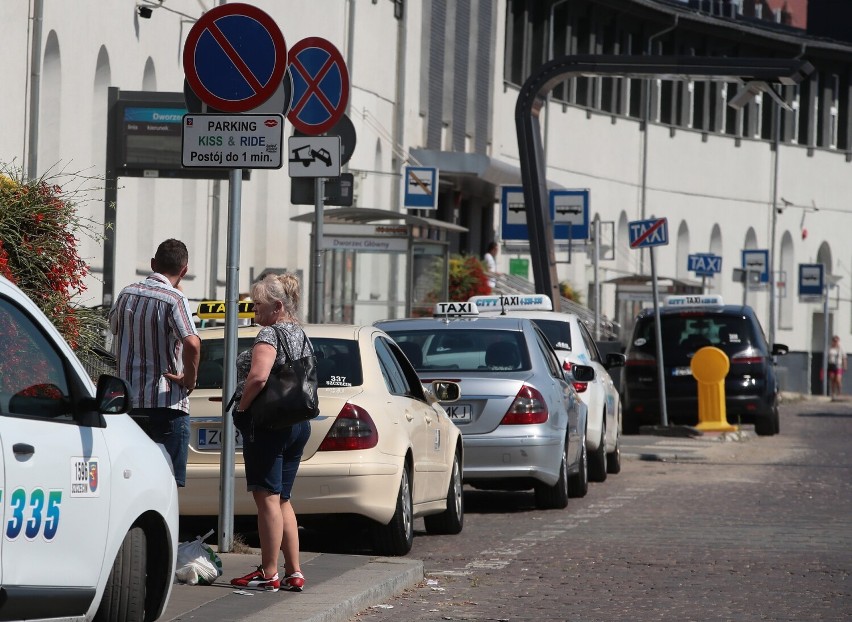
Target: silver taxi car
522, 421
574, 345
382, 449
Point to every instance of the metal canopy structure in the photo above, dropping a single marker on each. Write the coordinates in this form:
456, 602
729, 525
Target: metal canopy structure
363, 215
532, 97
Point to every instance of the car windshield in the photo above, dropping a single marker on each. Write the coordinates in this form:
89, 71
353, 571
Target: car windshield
558, 333
464, 350
338, 362
685, 333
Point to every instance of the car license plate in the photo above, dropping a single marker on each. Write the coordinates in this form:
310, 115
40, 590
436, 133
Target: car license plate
458, 412
681, 371
211, 438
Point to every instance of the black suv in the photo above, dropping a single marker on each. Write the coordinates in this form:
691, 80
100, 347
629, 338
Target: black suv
751, 386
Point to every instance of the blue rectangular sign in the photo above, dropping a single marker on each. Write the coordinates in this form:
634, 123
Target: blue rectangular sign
647, 233
704, 264
569, 211
811, 279
757, 261
421, 185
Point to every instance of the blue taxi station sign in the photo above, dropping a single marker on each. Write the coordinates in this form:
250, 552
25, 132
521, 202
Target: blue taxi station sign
235, 58
232, 141
647, 233
320, 86
704, 264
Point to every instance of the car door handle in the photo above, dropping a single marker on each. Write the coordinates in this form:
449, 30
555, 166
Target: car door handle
408, 415
23, 449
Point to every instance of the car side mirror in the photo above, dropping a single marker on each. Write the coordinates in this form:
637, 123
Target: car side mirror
614, 359
446, 391
113, 396
582, 373
779, 349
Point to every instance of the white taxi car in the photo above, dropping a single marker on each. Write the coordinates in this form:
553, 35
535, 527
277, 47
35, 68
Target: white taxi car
574, 345
88, 503
382, 447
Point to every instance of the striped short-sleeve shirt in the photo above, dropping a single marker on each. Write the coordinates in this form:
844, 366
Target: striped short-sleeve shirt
150, 321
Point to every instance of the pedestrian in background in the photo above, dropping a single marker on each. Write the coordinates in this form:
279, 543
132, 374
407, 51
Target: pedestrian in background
272, 456
836, 366
490, 261
157, 348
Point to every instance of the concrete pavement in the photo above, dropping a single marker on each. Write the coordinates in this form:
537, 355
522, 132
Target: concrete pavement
337, 588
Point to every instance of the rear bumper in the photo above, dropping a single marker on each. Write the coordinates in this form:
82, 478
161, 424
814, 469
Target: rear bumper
684, 409
502, 456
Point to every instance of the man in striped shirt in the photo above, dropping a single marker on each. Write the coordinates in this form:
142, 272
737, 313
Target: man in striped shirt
157, 347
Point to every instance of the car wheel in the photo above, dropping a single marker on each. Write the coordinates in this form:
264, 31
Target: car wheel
555, 497
613, 460
597, 461
766, 425
578, 484
397, 536
451, 520
124, 594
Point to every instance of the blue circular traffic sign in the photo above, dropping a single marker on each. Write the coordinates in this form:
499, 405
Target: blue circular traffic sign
235, 57
320, 86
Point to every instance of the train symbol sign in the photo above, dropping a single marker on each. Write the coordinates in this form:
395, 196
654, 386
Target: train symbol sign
647, 233
235, 58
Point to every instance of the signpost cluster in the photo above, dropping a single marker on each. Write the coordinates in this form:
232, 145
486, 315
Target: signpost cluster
241, 83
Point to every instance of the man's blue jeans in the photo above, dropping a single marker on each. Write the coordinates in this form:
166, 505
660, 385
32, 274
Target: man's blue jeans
171, 428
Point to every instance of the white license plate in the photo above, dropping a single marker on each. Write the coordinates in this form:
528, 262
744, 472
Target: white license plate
458, 412
211, 438
681, 371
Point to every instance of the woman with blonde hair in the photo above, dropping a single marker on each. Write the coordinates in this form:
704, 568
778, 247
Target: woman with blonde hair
272, 456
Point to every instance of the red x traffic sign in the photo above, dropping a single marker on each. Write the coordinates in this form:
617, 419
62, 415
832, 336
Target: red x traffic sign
235, 57
320, 86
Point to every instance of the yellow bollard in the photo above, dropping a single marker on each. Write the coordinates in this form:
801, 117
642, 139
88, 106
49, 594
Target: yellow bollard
709, 367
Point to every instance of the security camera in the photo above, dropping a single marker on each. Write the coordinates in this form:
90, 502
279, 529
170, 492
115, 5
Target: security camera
144, 12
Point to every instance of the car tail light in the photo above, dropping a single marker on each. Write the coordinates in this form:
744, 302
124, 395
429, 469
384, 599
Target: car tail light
640, 359
566, 365
528, 407
353, 429
746, 359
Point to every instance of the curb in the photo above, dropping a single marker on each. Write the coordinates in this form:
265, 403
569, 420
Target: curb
347, 595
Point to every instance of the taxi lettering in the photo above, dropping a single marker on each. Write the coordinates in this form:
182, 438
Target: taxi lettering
33, 514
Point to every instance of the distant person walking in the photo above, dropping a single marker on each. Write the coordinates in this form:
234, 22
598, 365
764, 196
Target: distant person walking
272, 456
836, 366
158, 348
490, 261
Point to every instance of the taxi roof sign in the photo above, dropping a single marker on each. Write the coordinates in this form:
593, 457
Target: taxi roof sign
521, 302
215, 309
446, 309
683, 301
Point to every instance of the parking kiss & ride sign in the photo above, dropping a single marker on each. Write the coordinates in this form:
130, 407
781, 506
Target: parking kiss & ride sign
232, 140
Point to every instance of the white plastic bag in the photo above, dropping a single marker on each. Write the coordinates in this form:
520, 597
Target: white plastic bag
197, 563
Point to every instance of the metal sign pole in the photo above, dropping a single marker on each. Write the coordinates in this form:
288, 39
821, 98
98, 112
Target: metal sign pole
825, 342
232, 286
597, 227
318, 285
658, 338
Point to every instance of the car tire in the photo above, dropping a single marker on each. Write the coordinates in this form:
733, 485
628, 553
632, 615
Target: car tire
555, 497
597, 461
578, 484
451, 520
124, 594
613, 460
767, 425
397, 536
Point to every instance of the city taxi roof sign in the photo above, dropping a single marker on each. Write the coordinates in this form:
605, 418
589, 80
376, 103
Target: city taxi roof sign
457, 309
692, 301
532, 302
215, 309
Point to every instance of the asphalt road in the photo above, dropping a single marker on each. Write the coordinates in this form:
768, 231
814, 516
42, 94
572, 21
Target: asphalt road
692, 529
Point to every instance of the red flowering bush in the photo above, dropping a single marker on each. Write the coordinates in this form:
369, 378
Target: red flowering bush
39, 229
467, 278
